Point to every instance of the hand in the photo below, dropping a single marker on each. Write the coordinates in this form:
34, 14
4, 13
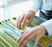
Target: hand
29, 15
34, 33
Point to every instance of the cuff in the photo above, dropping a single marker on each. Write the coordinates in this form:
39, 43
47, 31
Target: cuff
35, 5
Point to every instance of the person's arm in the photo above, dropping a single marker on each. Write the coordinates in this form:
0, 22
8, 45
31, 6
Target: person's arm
35, 5
48, 26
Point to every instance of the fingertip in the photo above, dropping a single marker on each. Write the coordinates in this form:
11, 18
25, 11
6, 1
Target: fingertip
16, 25
21, 27
22, 31
27, 24
24, 45
17, 41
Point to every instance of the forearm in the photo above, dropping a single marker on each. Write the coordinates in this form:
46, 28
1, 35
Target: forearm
48, 26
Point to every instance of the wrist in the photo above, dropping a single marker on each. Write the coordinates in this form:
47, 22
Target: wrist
32, 12
44, 29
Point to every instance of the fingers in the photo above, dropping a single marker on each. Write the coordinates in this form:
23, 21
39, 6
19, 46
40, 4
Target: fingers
28, 39
29, 21
27, 36
21, 36
20, 20
25, 18
36, 41
24, 37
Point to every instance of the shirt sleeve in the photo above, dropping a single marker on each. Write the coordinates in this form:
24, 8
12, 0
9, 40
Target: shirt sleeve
35, 5
48, 26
